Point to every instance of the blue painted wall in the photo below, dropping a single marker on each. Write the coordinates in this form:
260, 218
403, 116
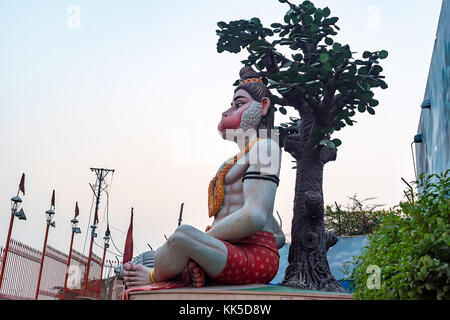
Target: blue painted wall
433, 155
339, 254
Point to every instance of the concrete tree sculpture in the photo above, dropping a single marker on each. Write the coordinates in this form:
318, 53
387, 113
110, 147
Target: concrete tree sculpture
323, 81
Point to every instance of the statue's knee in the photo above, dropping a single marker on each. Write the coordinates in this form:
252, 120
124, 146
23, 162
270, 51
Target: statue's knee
177, 238
186, 229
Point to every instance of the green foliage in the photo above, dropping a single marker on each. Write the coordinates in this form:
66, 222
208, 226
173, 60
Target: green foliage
355, 218
411, 247
323, 75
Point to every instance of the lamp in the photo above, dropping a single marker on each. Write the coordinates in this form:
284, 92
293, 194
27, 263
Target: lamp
20, 215
93, 233
49, 214
15, 200
75, 227
106, 238
418, 138
426, 104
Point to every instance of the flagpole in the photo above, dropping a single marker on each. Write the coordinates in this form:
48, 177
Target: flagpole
68, 266
75, 229
49, 215
88, 267
42, 261
6, 249
14, 208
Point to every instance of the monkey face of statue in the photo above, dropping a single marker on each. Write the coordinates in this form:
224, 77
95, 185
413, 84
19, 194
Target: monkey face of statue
244, 114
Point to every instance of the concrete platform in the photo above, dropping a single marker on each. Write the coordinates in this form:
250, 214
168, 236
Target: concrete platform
245, 292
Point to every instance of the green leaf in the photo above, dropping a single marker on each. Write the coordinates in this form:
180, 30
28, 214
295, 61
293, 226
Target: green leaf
283, 110
324, 57
307, 19
273, 82
337, 46
331, 145
383, 54
298, 57
311, 82
329, 41
361, 108
255, 20
383, 85
377, 69
373, 103
221, 24
327, 67
370, 110
314, 28
336, 142
326, 12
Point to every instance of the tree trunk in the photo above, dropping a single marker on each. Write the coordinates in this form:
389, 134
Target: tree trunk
308, 266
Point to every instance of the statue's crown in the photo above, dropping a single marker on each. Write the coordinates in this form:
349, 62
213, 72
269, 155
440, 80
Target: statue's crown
251, 80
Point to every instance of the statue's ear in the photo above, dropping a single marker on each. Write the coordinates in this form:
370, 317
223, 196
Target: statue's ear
265, 105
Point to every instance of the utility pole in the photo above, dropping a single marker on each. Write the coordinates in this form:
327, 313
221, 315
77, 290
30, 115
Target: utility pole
101, 175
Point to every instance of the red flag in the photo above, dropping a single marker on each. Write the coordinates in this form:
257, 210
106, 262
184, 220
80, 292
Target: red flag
128, 251
53, 199
77, 211
22, 184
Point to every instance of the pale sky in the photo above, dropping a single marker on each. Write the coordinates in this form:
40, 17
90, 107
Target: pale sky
139, 87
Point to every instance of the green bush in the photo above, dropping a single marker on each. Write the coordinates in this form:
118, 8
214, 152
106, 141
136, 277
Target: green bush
353, 219
410, 247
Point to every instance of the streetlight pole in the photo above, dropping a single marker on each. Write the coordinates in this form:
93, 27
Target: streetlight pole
49, 213
15, 203
75, 229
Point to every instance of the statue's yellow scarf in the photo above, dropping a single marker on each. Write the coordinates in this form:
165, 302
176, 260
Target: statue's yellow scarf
215, 190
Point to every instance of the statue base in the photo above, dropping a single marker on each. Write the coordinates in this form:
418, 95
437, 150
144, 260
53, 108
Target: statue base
244, 292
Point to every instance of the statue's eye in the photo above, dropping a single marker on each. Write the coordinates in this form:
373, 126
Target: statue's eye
239, 104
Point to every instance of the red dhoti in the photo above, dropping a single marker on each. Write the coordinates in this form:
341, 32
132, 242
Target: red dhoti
253, 259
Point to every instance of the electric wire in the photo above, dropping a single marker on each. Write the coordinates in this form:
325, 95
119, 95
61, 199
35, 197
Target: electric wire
107, 215
87, 228
114, 253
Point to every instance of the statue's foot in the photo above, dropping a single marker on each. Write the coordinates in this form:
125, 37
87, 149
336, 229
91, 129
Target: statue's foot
197, 274
136, 275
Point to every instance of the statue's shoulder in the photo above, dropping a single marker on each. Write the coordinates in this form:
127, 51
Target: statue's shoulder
266, 146
265, 155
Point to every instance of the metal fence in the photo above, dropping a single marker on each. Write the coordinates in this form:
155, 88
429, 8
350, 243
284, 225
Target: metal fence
22, 269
